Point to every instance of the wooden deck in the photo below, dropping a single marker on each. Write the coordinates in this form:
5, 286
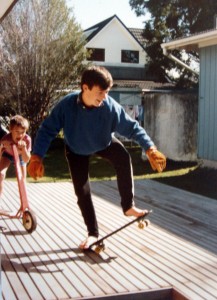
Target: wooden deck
178, 250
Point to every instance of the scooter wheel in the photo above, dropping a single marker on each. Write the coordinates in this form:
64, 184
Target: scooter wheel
29, 221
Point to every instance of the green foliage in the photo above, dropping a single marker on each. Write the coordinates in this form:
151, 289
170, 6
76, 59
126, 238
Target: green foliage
171, 19
41, 52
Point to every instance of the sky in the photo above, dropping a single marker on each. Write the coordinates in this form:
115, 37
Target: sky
90, 12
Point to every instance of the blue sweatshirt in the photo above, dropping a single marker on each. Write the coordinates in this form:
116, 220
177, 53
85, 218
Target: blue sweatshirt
88, 130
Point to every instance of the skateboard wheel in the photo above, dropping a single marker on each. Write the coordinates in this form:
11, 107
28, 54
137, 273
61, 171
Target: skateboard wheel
141, 224
99, 248
147, 223
29, 221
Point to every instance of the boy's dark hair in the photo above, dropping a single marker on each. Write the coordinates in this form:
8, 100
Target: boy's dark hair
98, 76
18, 120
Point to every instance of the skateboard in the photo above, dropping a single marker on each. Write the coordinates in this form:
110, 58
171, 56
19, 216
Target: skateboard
99, 245
24, 212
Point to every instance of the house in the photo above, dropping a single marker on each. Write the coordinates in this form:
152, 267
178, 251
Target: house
206, 44
121, 50
116, 47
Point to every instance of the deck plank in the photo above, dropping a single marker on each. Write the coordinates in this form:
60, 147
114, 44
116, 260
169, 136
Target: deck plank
178, 249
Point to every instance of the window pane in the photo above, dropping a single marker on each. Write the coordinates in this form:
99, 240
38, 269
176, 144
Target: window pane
96, 54
129, 56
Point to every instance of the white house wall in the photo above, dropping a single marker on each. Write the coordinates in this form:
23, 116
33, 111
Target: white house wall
113, 38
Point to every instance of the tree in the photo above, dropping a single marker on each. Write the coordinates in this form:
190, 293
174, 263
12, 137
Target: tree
41, 52
171, 19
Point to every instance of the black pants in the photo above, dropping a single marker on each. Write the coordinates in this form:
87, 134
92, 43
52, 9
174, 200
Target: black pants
79, 169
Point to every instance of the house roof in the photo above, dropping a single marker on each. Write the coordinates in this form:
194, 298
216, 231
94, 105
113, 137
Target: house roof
143, 85
92, 31
138, 34
195, 41
5, 7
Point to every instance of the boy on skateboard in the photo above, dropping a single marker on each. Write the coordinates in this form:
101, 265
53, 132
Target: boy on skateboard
89, 119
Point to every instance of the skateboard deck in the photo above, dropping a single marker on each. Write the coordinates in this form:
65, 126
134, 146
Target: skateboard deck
99, 245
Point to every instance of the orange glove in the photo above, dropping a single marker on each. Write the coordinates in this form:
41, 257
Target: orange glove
35, 167
156, 158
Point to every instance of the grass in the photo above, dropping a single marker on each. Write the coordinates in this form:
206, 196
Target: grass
189, 176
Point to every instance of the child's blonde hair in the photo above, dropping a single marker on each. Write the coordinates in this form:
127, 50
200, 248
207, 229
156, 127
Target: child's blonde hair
18, 120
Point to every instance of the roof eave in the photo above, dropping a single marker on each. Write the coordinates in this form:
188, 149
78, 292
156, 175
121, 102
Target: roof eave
192, 42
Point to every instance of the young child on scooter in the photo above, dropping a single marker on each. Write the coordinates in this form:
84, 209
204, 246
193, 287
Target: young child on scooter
17, 135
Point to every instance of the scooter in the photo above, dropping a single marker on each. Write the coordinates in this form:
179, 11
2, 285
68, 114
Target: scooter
25, 213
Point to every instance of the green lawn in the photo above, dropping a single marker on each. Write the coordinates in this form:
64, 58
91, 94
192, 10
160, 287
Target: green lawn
56, 168
189, 176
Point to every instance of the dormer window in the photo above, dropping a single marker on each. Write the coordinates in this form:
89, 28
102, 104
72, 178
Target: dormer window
130, 56
96, 54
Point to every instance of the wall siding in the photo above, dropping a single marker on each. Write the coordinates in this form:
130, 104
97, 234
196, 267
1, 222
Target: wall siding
207, 120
